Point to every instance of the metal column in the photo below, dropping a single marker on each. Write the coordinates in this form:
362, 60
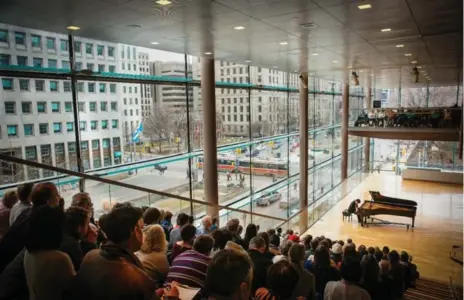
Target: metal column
303, 147
367, 141
344, 129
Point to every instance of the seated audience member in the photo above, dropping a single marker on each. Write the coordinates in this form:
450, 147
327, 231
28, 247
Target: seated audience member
189, 268
362, 251
284, 248
349, 250
153, 255
14, 240
167, 224
76, 227
214, 224
268, 252
229, 276
261, 263
113, 271
274, 239
349, 241
282, 279
287, 234
397, 272
385, 251
49, 272
370, 278
206, 224
240, 230
341, 242
232, 225
187, 235
322, 270
378, 254
24, 195
371, 251
306, 286
250, 232
411, 274
235, 247
85, 201
337, 251
293, 237
8, 201
387, 286
307, 244
191, 220
221, 237
152, 216
347, 288
174, 236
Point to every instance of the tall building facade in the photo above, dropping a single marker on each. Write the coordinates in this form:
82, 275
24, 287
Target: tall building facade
146, 94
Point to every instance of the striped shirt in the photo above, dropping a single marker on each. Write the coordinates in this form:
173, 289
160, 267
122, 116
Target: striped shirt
189, 268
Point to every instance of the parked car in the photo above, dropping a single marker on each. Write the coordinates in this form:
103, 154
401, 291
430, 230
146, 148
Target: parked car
254, 153
161, 168
286, 204
266, 200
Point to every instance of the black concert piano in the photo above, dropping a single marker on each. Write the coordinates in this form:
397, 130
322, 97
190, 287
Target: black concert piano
384, 205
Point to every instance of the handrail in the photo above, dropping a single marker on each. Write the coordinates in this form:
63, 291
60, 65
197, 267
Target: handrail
124, 185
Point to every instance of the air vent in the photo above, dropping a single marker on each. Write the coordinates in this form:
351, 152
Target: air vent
309, 25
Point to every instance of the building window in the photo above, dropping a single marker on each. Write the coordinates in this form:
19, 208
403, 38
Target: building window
20, 38
51, 43
114, 106
100, 50
67, 86
106, 142
125, 112
101, 68
28, 129
112, 69
65, 65
80, 87
88, 48
22, 60
90, 66
69, 126
91, 87
84, 145
3, 36
64, 45
36, 41
92, 106
95, 144
53, 86
59, 149
113, 88
104, 124
4, 59
10, 108
24, 84
71, 147
102, 87
39, 85
130, 90
43, 128
41, 107
12, 130
103, 106
111, 51
131, 112
57, 127
37, 62
114, 124
78, 66
68, 107
81, 107
56, 107
7, 84
26, 107
93, 125
77, 47
82, 125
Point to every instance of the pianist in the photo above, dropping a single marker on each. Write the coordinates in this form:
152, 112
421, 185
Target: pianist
353, 209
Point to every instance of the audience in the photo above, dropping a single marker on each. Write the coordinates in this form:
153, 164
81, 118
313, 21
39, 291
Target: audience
189, 268
232, 226
250, 232
370, 277
174, 235
8, 201
284, 247
397, 272
260, 261
387, 284
270, 253
221, 237
337, 251
214, 224
152, 216
322, 270
187, 235
206, 224
274, 238
385, 251
24, 195
282, 279
307, 244
411, 273
152, 253
378, 255
306, 286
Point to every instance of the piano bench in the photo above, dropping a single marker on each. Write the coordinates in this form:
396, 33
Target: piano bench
347, 215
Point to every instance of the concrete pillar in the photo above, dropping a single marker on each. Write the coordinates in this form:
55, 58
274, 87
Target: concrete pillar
344, 129
367, 141
209, 134
303, 225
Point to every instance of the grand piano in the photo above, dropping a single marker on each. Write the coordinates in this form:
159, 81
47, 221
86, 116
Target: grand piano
384, 205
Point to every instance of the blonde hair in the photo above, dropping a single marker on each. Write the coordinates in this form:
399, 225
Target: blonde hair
154, 239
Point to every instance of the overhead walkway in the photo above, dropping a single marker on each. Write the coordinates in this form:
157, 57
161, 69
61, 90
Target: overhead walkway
402, 133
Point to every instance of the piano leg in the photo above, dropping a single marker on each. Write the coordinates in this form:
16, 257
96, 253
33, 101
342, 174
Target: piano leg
413, 220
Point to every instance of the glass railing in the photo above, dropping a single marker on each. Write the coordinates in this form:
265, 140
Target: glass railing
456, 276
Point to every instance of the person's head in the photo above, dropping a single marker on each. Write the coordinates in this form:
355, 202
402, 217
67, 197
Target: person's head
279, 231
168, 216
154, 239
203, 244
350, 270
404, 256
349, 241
24, 192
207, 222
251, 231
285, 247
349, 250
385, 267
82, 200
357, 201
370, 270
393, 257
257, 243
45, 194
9, 199
337, 249
229, 276
362, 250
123, 226
385, 250
271, 232
191, 220
289, 232
214, 221
266, 239
187, 234
182, 219
232, 225
282, 278
341, 243
378, 255
240, 230
371, 251
307, 241
296, 253
77, 221
321, 256
45, 230
314, 244
325, 244
151, 216
221, 237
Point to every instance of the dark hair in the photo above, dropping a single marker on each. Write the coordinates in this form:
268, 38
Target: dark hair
349, 241
307, 241
296, 253
214, 220
257, 242
24, 192
404, 256
289, 232
393, 257
266, 239
325, 243
226, 271
385, 250
378, 255
371, 250
191, 220
187, 233
350, 270
119, 223
203, 244
370, 272
350, 251
362, 250
271, 232
151, 216
75, 216
315, 243
286, 247
232, 225
168, 216
221, 237
279, 230
42, 193
341, 242
182, 219
10, 198
282, 279
321, 256
357, 201
250, 232
45, 230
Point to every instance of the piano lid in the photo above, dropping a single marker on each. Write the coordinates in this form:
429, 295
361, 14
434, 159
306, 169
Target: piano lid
376, 196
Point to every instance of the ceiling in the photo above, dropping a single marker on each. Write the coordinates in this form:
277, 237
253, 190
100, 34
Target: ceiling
341, 34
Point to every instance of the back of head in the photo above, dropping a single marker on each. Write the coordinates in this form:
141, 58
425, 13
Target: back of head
151, 216
43, 194
232, 225
385, 250
191, 220
378, 255
370, 270
265, 237
257, 243
349, 241
154, 239
350, 269
285, 247
82, 200
362, 249
296, 253
203, 244
349, 250
227, 274
10, 198
75, 217
307, 241
221, 237
120, 222
24, 192
385, 267
404, 256
371, 250
282, 279
271, 232
45, 231
251, 231
289, 232
182, 219
321, 256
315, 243
279, 230
187, 233
337, 249
393, 257
168, 216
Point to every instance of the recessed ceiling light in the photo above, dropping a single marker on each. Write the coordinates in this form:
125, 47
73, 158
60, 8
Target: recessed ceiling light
275, 67
283, 43
386, 30
163, 2
335, 61
419, 67
315, 54
248, 61
134, 26
414, 62
208, 53
364, 6
154, 43
239, 27
408, 54
72, 27
360, 71
399, 46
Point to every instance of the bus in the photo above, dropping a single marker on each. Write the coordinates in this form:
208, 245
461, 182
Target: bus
262, 167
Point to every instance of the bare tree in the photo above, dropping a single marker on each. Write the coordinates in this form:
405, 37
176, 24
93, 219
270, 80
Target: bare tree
157, 126
262, 128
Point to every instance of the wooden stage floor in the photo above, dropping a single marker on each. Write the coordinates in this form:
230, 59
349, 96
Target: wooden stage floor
438, 226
